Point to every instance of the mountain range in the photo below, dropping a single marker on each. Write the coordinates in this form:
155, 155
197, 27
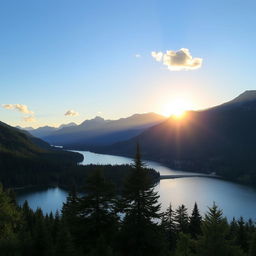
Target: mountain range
45, 131
98, 131
221, 139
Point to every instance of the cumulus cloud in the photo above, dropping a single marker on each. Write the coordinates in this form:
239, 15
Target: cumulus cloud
29, 119
20, 107
178, 60
71, 113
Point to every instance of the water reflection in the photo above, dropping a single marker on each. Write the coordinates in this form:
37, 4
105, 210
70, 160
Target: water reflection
235, 200
49, 199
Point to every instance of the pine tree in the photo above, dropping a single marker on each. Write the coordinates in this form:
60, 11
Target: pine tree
168, 224
195, 221
140, 235
241, 236
181, 219
97, 211
70, 214
232, 229
214, 235
141, 201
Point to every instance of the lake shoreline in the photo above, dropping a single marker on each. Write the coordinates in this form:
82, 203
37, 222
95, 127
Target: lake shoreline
176, 167
235, 199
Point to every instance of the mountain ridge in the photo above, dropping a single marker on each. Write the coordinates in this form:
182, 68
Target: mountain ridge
98, 131
221, 139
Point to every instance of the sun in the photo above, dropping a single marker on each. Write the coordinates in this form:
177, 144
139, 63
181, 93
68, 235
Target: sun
176, 108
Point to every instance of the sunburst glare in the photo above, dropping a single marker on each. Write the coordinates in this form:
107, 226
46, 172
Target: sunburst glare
176, 108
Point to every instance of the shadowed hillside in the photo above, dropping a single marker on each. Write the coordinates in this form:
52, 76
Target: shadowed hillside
221, 139
26, 160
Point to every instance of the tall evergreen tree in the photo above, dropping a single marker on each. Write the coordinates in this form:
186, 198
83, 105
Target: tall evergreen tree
168, 224
181, 219
70, 214
140, 235
232, 230
97, 211
141, 201
195, 221
214, 235
241, 236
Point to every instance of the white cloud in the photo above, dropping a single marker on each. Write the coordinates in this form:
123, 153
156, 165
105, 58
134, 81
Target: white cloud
29, 119
71, 113
178, 60
157, 55
20, 107
137, 55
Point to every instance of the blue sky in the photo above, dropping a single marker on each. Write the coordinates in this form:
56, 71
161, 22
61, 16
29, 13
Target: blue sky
80, 55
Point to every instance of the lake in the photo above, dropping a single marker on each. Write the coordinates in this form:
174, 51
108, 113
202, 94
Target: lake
236, 200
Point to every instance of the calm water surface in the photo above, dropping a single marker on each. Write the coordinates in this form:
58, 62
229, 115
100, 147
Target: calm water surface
235, 200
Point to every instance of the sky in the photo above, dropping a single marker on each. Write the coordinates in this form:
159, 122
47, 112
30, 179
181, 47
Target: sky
66, 61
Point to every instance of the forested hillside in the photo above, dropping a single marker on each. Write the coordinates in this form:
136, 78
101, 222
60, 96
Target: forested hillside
28, 161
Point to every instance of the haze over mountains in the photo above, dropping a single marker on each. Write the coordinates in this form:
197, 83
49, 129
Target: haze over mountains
98, 131
221, 139
44, 131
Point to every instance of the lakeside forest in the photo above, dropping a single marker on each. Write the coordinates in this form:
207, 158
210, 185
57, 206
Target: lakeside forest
219, 139
118, 214
101, 222
26, 161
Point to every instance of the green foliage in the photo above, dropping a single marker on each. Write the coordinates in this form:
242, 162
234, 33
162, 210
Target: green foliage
181, 218
195, 222
87, 228
169, 227
92, 215
184, 245
214, 240
139, 232
140, 199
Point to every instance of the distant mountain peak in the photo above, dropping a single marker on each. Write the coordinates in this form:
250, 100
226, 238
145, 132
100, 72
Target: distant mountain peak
249, 95
96, 119
25, 128
67, 125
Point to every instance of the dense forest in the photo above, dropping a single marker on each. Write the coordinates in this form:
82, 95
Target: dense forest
28, 161
101, 222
